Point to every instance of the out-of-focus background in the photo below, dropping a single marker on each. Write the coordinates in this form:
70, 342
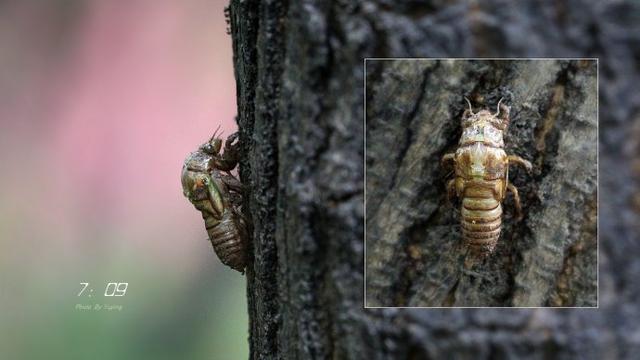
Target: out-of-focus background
100, 101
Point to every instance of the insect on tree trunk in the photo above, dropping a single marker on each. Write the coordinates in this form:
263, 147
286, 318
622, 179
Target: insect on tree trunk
420, 252
300, 73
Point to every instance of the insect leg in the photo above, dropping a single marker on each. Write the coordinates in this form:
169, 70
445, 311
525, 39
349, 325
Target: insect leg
229, 159
232, 182
215, 196
520, 161
228, 144
516, 200
447, 158
451, 189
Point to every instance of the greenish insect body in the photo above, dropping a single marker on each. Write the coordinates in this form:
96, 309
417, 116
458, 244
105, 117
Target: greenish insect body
216, 193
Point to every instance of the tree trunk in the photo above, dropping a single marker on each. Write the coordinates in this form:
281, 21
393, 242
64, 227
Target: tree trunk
414, 253
300, 73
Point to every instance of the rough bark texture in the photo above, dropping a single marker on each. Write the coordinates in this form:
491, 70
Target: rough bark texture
415, 256
299, 73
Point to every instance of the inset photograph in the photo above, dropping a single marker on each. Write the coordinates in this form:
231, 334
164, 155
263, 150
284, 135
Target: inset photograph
481, 183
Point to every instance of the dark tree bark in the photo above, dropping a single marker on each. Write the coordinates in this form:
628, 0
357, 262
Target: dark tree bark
415, 256
299, 71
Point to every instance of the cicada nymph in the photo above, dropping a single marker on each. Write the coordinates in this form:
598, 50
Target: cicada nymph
482, 177
216, 193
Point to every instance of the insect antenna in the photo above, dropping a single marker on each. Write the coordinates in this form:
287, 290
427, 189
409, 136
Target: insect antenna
498, 112
214, 134
470, 108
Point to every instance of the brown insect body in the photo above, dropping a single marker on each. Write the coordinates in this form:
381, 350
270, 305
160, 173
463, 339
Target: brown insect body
209, 186
482, 177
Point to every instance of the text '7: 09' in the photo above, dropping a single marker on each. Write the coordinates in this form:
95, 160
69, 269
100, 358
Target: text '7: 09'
112, 289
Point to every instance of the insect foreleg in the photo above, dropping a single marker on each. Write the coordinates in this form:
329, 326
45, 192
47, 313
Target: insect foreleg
516, 200
232, 183
228, 144
447, 158
229, 159
451, 189
520, 161
215, 196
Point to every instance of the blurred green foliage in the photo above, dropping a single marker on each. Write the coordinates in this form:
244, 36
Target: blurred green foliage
162, 317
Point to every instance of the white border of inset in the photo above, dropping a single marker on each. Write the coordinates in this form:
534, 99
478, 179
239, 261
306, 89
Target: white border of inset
597, 60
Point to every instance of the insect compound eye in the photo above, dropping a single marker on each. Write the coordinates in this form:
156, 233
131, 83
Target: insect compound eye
207, 148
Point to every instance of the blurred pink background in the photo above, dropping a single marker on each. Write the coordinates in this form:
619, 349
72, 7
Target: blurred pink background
100, 102
96, 122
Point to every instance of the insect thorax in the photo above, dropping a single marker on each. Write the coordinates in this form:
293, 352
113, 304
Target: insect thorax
484, 128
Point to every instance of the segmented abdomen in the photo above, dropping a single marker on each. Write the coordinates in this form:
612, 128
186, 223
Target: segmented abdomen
226, 239
481, 219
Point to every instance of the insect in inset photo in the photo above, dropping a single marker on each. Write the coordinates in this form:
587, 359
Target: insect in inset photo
216, 193
482, 176
449, 221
